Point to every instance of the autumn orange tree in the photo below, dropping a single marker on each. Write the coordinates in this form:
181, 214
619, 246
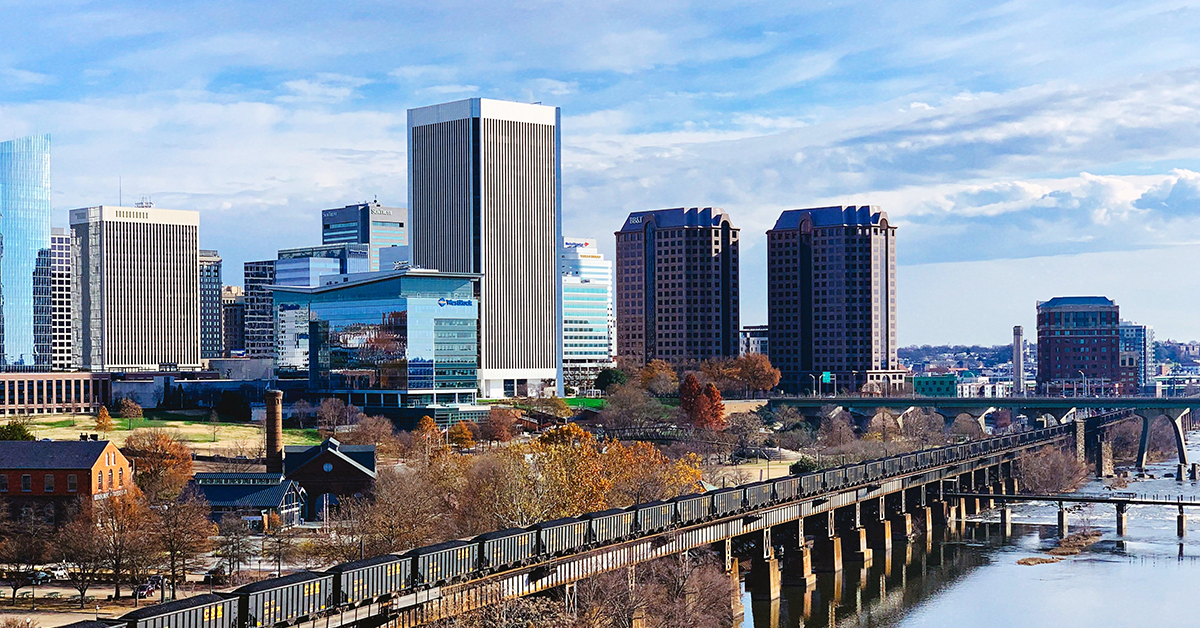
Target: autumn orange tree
460, 436
427, 437
162, 463
755, 372
500, 424
712, 414
658, 377
104, 422
640, 472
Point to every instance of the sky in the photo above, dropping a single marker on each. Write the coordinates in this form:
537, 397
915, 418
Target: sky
1025, 150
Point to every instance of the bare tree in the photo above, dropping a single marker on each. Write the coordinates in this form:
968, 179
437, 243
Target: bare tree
182, 533
80, 546
234, 547
125, 527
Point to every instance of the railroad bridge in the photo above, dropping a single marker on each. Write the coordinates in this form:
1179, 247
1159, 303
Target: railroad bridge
853, 517
1095, 412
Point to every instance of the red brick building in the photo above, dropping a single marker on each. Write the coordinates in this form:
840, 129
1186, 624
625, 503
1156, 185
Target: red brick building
329, 472
49, 478
1078, 346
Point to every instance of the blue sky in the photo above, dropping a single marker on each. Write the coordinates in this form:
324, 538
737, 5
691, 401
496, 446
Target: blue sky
1025, 149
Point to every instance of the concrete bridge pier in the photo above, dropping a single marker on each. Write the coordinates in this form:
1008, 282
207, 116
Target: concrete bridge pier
1178, 417
854, 536
1104, 457
764, 570
826, 547
1180, 472
1194, 474
1005, 520
724, 549
1122, 519
797, 561
898, 515
1062, 521
1181, 523
878, 527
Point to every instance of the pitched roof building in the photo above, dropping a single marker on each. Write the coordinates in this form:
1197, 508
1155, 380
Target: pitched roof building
253, 496
330, 471
46, 478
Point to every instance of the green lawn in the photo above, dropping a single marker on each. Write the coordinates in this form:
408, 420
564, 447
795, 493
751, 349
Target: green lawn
585, 402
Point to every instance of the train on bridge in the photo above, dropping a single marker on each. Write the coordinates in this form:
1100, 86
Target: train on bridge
304, 596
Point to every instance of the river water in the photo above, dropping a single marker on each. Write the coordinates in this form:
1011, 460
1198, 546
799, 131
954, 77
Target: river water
1149, 578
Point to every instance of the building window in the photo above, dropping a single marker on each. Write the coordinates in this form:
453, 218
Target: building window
48, 483
120, 478
26, 483
99, 480
4, 483
110, 480
72, 483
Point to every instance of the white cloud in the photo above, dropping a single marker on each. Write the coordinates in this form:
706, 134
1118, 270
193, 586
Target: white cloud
20, 77
323, 88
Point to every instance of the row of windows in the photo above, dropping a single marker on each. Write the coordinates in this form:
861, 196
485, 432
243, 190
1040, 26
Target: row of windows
48, 482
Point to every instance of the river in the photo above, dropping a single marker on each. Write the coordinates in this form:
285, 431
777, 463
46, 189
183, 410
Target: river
971, 579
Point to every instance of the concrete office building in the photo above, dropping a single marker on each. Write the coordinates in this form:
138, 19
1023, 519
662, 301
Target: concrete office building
369, 223
754, 339
233, 321
259, 311
588, 324
211, 345
677, 286
137, 288
25, 258
60, 299
1137, 349
1018, 362
831, 300
485, 198
401, 344
1078, 346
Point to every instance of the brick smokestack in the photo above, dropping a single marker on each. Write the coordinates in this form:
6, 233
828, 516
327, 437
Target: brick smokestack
274, 426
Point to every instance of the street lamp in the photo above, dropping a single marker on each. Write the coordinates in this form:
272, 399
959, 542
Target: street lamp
1083, 376
814, 384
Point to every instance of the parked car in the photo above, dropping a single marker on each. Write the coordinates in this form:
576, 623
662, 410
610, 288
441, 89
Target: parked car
37, 577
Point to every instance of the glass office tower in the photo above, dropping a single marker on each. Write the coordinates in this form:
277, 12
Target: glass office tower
25, 337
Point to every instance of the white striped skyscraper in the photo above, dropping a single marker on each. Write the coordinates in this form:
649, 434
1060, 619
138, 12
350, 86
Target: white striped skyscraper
485, 197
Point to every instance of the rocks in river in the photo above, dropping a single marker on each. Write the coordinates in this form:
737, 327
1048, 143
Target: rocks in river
1037, 560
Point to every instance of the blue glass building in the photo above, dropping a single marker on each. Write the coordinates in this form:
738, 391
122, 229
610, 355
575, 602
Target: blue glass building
403, 344
25, 259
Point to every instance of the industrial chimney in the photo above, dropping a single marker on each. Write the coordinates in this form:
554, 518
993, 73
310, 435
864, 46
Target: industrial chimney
274, 426
1018, 362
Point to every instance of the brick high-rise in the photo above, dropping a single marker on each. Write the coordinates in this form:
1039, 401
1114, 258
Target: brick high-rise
831, 299
1079, 346
677, 285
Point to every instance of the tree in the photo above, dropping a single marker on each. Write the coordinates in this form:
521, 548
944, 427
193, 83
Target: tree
214, 424
303, 412
334, 412
460, 436
748, 428
755, 372
162, 463
712, 411
104, 422
23, 548
551, 406
607, 378
80, 546
500, 424
835, 430
427, 436
182, 533
691, 397
639, 473
125, 525
658, 377
233, 547
17, 429
373, 430
630, 406
128, 409
280, 545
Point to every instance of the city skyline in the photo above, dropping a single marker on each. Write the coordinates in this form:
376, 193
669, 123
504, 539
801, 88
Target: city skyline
1017, 156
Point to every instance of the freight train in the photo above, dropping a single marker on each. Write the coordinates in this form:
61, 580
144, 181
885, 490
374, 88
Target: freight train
306, 595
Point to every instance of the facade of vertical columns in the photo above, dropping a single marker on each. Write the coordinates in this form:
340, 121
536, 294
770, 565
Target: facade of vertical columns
827, 546
1177, 418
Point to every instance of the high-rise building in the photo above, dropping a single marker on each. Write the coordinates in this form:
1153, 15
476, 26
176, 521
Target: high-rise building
485, 198
1018, 362
754, 339
677, 286
365, 223
304, 266
831, 300
587, 311
233, 321
1078, 346
211, 345
25, 310
1137, 349
61, 308
259, 337
137, 288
